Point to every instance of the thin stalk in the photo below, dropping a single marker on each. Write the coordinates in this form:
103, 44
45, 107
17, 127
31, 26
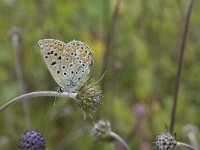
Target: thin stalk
16, 36
180, 65
109, 40
180, 144
118, 138
37, 94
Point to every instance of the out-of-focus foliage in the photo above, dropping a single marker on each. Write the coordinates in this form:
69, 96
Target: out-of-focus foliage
141, 69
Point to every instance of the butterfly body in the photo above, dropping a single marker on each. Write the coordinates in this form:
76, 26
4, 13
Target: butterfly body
68, 63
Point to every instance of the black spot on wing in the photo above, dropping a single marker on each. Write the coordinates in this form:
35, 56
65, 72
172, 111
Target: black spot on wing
53, 63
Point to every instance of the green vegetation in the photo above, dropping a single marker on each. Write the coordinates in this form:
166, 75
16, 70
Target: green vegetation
138, 39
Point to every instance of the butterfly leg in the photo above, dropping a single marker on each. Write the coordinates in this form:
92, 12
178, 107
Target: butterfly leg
60, 90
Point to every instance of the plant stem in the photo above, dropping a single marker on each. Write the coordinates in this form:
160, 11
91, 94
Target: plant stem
193, 139
186, 145
108, 41
117, 137
37, 94
180, 65
15, 34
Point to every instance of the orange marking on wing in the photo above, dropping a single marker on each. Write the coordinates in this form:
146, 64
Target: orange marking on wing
60, 47
75, 46
55, 45
84, 54
67, 49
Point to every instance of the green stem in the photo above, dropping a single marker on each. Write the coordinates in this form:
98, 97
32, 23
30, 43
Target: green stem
117, 137
180, 144
37, 94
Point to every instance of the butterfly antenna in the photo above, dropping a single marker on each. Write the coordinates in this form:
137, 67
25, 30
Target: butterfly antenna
87, 82
100, 78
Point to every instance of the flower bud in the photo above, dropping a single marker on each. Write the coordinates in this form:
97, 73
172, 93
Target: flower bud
89, 100
32, 140
165, 142
101, 130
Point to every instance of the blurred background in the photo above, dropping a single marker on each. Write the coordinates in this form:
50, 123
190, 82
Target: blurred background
135, 41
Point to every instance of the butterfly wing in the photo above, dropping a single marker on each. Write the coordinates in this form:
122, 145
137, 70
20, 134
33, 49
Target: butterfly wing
81, 60
67, 63
52, 51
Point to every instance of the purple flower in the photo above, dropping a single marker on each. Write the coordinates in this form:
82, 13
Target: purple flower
32, 140
165, 142
139, 111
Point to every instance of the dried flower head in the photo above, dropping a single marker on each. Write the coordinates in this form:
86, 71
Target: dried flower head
101, 130
89, 100
15, 31
32, 140
165, 142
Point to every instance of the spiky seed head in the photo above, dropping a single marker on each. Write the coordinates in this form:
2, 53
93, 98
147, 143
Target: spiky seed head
32, 140
89, 100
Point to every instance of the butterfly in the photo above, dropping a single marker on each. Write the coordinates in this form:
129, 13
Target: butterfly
68, 63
